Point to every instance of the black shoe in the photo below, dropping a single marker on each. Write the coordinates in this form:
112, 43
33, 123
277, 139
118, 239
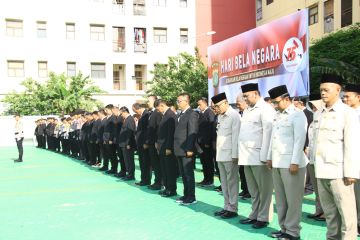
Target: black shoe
246, 196
219, 213
169, 193
207, 184
200, 183
187, 202
18, 160
243, 193
141, 184
218, 189
248, 221
103, 169
180, 199
321, 218
276, 234
120, 175
313, 216
154, 187
260, 224
286, 236
129, 178
229, 214
111, 172
162, 192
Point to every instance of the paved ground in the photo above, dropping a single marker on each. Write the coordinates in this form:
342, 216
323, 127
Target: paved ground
51, 197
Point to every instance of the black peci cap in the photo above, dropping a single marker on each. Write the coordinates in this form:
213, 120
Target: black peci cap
249, 87
352, 88
331, 78
218, 98
278, 91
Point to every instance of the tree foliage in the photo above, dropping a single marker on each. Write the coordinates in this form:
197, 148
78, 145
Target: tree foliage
182, 73
58, 95
337, 53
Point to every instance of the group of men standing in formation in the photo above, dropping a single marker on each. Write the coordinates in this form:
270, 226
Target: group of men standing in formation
272, 146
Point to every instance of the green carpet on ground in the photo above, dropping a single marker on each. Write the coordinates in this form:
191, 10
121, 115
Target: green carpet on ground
51, 197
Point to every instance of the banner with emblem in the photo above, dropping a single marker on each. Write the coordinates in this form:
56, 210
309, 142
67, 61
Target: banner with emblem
271, 55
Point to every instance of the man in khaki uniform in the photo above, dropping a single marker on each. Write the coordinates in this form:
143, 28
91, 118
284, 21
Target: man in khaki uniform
254, 140
337, 154
288, 161
227, 154
352, 99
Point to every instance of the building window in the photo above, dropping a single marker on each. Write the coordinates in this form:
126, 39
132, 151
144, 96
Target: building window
42, 69
118, 39
70, 30
269, 2
15, 68
328, 16
41, 29
313, 15
119, 82
98, 70
140, 40
118, 7
71, 69
97, 32
160, 35
140, 71
258, 10
160, 3
139, 7
184, 37
14, 28
183, 3
346, 13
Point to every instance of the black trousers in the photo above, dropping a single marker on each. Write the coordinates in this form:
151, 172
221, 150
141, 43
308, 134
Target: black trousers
84, 153
145, 166
19, 144
168, 171
186, 166
129, 161
102, 153
110, 155
243, 179
121, 159
155, 164
42, 141
91, 152
207, 162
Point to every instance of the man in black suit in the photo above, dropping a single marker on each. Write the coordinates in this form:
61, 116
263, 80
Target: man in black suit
100, 140
165, 146
118, 124
127, 142
108, 141
41, 133
206, 122
184, 146
140, 137
151, 137
93, 141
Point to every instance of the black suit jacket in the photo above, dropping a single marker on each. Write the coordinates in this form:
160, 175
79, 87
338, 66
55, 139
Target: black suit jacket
309, 117
152, 128
94, 132
166, 132
101, 130
41, 129
118, 124
206, 122
109, 129
127, 133
141, 130
185, 133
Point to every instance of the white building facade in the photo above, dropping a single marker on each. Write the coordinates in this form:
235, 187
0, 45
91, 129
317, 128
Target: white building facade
115, 42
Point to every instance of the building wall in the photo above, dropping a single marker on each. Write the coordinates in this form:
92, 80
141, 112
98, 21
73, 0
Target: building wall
57, 50
226, 17
280, 8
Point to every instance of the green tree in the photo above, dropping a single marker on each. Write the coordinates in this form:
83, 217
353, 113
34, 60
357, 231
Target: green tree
337, 53
182, 73
58, 95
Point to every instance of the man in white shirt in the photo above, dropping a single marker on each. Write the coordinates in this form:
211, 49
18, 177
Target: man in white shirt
19, 137
254, 140
287, 159
227, 154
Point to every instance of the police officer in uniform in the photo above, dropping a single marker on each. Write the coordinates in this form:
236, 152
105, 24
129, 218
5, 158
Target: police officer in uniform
287, 159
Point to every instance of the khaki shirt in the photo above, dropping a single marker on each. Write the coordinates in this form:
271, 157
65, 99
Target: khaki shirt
288, 138
227, 135
336, 148
255, 133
